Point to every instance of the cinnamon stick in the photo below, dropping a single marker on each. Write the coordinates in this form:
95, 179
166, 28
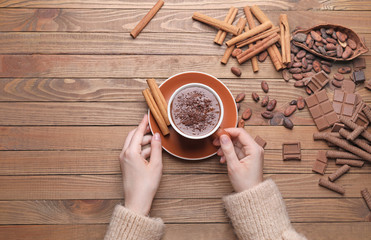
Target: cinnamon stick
146, 19
341, 154
159, 98
155, 111
220, 36
332, 186
285, 39
252, 32
272, 51
250, 20
350, 162
343, 144
240, 24
258, 37
338, 173
258, 48
353, 126
360, 142
215, 23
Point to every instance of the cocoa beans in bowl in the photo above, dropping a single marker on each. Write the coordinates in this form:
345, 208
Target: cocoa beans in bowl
330, 41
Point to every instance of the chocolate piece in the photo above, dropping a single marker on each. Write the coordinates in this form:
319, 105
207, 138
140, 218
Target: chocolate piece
348, 86
367, 197
359, 63
358, 76
321, 156
318, 81
319, 167
260, 141
247, 114
337, 127
359, 117
344, 103
339, 172
368, 85
291, 151
321, 110
350, 162
332, 186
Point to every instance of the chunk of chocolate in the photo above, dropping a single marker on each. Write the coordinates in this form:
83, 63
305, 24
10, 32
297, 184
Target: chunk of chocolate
291, 151
359, 63
318, 81
344, 103
319, 167
260, 141
358, 76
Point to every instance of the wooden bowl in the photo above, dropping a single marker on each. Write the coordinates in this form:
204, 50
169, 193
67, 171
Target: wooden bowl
361, 47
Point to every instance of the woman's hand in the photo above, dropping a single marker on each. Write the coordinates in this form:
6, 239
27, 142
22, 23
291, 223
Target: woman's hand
141, 177
244, 158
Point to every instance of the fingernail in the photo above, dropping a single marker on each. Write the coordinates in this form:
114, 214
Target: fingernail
157, 137
224, 139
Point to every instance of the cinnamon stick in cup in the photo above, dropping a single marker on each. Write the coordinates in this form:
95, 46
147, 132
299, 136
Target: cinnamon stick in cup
250, 20
155, 111
240, 24
215, 23
145, 20
220, 36
159, 98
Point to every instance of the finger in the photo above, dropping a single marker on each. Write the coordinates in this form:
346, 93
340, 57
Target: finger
146, 140
216, 142
128, 139
219, 152
148, 129
139, 133
241, 135
146, 152
222, 160
228, 150
156, 153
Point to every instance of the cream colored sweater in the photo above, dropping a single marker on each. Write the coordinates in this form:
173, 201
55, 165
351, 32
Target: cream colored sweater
257, 213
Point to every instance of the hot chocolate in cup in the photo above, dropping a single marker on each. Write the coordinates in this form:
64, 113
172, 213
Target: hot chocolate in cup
195, 111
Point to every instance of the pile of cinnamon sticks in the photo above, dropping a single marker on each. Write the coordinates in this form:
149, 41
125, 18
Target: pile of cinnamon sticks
258, 38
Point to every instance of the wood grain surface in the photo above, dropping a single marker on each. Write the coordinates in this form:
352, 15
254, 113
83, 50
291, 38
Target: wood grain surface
70, 90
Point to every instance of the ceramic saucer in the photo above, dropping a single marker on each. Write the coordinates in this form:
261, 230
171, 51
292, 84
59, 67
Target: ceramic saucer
188, 149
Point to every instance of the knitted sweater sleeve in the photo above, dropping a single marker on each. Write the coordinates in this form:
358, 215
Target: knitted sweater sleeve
128, 225
260, 213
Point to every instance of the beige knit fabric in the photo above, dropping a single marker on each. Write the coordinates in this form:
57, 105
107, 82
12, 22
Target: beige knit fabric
260, 213
127, 225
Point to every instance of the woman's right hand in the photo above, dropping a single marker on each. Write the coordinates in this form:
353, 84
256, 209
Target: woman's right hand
244, 157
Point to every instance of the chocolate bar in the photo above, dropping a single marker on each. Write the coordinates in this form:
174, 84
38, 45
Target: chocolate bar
318, 81
343, 103
337, 127
321, 110
320, 164
358, 76
332, 186
260, 141
359, 63
338, 173
348, 86
350, 162
359, 117
367, 197
291, 151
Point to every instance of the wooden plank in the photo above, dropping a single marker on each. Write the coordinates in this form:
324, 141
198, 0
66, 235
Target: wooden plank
114, 43
174, 211
112, 137
129, 66
216, 231
178, 4
106, 162
130, 90
192, 186
166, 20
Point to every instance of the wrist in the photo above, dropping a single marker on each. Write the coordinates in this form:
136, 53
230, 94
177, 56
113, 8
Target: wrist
138, 207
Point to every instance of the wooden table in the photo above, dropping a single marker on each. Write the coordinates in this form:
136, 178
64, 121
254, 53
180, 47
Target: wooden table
70, 90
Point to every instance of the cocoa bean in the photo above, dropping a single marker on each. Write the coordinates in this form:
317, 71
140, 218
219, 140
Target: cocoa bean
318, 44
272, 105
339, 51
315, 36
334, 35
289, 110
287, 123
330, 46
240, 97
347, 52
309, 39
265, 101
324, 41
299, 83
262, 56
344, 70
236, 71
309, 68
323, 33
301, 54
311, 43
293, 102
238, 105
299, 37
343, 44
267, 115
307, 74
277, 119
331, 53
309, 56
326, 63
297, 65
304, 62
338, 76
241, 123
300, 103
317, 66
316, 49
331, 40
352, 44
308, 91
296, 59
295, 70
341, 36
255, 97
236, 51
322, 50
337, 83
246, 114
326, 68
330, 31
294, 49
286, 75
265, 86
297, 76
